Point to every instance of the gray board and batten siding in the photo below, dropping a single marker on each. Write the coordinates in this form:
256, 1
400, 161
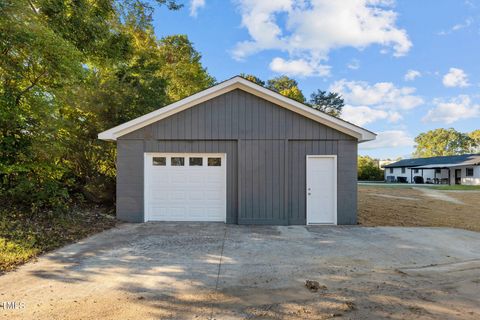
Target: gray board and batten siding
266, 148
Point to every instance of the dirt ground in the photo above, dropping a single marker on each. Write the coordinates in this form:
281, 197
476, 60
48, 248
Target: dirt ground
24, 235
216, 271
422, 206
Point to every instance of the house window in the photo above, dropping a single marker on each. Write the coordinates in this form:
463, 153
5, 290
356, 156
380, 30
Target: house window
159, 161
403, 170
469, 172
415, 170
195, 162
391, 170
177, 161
214, 162
438, 170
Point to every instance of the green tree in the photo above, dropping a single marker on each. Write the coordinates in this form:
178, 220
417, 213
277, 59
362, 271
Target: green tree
155, 74
181, 68
36, 64
368, 169
68, 70
252, 78
114, 92
475, 136
330, 103
442, 142
286, 86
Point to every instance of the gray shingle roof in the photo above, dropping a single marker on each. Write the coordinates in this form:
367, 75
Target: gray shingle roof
467, 159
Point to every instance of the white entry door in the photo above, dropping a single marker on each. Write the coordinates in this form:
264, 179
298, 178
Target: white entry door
185, 187
321, 189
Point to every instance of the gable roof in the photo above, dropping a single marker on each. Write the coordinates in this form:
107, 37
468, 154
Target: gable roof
238, 83
447, 161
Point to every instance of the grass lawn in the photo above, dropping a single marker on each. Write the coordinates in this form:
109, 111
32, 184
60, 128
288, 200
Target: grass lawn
456, 187
408, 185
23, 237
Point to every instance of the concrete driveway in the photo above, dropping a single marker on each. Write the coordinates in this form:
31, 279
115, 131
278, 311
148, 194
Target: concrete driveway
217, 271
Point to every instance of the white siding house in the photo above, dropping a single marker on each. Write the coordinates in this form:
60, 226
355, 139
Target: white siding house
469, 175
462, 169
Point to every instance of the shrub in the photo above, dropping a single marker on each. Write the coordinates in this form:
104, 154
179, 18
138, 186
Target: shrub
39, 187
368, 169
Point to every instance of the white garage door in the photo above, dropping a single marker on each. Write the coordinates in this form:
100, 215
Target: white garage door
185, 187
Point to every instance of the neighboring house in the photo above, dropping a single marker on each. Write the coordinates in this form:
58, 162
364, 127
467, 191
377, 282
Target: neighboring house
237, 153
462, 169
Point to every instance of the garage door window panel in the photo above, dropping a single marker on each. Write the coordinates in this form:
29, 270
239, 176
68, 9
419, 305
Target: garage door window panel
159, 161
214, 162
177, 161
195, 162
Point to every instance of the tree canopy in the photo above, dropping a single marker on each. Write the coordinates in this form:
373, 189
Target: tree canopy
287, 87
475, 136
253, 79
328, 102
444, 142
70, 69
368, 169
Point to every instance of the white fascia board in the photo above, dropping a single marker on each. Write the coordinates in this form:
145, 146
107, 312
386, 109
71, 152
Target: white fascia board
229, 85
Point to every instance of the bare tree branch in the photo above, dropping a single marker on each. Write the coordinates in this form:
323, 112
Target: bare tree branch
32, 84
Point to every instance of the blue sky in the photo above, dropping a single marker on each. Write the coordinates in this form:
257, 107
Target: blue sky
403, 67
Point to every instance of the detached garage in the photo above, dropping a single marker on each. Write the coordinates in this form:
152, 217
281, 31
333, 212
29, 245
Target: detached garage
237, 153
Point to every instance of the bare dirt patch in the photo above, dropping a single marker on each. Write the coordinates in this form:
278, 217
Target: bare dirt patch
24, 236
392, 206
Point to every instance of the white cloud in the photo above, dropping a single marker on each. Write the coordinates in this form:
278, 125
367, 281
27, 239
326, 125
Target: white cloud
394, 117
389, 139
195, 5
362, 115
469, 3
299, 67
365, 103
384, 95
313, 28
455, 78
455, 109
354, 64
459, 26
411, 75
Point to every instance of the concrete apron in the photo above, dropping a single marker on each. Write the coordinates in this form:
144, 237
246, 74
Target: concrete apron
211, 270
